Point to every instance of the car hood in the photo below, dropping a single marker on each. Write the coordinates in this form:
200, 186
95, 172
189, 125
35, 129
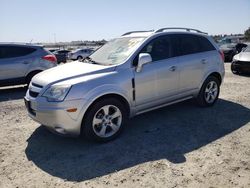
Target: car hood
243, 56
69, 71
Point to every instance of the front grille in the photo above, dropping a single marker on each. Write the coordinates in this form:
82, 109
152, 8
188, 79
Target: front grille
37, 85
34, 89
244, 63
33, 94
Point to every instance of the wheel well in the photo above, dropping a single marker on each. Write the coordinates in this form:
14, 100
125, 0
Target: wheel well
117, 96
32, 73
217, 75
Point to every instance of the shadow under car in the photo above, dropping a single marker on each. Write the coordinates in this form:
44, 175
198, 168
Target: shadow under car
168, 133
12, 93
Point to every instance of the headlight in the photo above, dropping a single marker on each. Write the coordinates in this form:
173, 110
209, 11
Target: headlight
56, 93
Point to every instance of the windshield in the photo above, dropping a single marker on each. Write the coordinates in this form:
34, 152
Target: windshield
116, 51
247, 49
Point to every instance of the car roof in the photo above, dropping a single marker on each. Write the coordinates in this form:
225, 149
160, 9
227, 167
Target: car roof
168, 30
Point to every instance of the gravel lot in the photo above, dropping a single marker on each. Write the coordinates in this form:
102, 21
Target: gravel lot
178, 146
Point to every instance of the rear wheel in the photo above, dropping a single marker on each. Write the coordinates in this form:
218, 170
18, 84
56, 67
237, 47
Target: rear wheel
104, 120
79, 58
209, 92
30, 76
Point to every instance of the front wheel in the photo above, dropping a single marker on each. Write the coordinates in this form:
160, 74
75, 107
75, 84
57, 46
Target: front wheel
233, 69
209, 92
104, 120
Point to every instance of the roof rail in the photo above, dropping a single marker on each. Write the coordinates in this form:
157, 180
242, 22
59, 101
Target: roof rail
128, 33
179, 28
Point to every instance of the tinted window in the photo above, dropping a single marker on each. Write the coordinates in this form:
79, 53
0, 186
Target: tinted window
15, 51
190, 44
205, 44
159, 48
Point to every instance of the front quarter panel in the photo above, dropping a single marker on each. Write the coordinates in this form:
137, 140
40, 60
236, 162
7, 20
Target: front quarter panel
116, 82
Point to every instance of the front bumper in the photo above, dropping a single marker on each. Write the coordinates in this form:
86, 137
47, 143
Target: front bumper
241, 66
54, 115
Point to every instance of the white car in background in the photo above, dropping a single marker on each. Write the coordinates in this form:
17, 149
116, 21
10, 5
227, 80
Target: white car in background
80, 54
241, 61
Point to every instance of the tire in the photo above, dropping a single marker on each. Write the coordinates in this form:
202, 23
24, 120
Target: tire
98, 125
233, 70
30, 76
79, 58
209, 92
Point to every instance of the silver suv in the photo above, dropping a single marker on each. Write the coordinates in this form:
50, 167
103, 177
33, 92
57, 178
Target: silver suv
130, 75
20, 62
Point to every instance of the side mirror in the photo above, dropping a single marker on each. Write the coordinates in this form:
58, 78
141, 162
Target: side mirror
144, 58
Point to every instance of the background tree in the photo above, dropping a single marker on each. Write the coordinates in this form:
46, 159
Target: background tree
247, 34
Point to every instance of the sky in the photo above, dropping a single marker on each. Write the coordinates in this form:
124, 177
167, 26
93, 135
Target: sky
71, 20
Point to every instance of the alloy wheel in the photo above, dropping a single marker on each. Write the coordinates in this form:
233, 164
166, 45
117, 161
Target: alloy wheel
107, 121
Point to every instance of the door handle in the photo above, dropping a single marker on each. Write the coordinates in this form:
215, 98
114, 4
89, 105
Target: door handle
173, 68
204, 61
26, 62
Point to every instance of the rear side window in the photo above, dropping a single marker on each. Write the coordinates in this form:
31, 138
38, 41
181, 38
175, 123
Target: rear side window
205, 44
190, 44
15, 51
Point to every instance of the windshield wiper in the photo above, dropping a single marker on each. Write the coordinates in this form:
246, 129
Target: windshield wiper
89, 59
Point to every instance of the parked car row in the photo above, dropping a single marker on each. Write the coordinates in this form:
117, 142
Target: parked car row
231, 46
78, 54
236, 52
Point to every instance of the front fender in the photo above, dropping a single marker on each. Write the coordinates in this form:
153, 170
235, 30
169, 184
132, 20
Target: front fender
103, 90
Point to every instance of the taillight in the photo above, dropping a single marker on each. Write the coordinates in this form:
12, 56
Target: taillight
222, 55
50, 58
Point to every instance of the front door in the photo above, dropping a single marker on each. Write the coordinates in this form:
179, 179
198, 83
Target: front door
158, 80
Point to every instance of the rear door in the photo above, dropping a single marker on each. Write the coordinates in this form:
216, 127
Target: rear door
194, 58
14, 61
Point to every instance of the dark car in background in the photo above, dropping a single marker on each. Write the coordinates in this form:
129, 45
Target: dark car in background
229, 51
52, 50
20, 62
231, 46
61, 55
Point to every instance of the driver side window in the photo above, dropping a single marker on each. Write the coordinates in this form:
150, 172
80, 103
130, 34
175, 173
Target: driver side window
159, 49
